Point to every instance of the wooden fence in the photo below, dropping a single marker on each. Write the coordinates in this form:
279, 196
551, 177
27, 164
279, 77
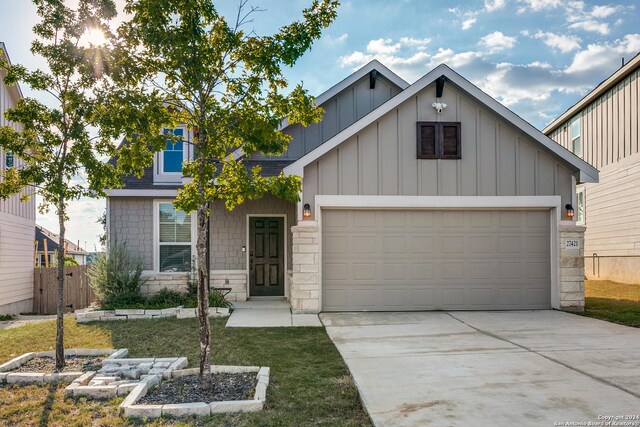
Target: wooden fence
77, 292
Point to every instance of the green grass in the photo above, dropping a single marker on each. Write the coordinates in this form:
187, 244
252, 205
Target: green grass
612, 301
6, 317
310, 384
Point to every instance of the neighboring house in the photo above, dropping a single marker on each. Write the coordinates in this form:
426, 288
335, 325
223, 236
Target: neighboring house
403, 208
602, 128
48, 257
17, 222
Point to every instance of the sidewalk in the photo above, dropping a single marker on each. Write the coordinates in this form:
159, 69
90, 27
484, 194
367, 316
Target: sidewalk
268, 314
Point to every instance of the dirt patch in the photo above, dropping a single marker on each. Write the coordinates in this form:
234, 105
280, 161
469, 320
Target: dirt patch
72, 364
187, 389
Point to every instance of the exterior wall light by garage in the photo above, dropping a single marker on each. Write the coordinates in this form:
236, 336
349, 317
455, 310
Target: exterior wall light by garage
569, 209
306, 211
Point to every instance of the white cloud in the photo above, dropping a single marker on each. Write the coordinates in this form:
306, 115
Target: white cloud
603, 11
591, 26
497, 41
564, 43
602, 56
382, 46
468, 23
418, 43
538, 5
452, 59
491, 5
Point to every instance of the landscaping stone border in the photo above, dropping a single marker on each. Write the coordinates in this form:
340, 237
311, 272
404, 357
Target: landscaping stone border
84, 316
120, 376
6, 376
130, 408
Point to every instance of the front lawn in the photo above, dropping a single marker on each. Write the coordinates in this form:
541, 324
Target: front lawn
612, 301
310, 384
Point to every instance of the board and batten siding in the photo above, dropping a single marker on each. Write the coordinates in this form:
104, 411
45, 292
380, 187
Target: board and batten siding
497, 160
340, 111
609, 126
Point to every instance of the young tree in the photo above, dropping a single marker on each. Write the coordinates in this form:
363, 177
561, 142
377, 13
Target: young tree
94, 100
227, 85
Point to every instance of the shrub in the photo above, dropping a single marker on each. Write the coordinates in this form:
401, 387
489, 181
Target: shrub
116, 277
166, 299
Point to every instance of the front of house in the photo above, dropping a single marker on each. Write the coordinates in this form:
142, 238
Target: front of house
407, 204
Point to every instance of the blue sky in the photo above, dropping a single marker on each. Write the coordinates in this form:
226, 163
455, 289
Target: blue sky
538, 57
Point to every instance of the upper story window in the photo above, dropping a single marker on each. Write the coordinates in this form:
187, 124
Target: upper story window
576, 142
173, 155
439, 140
8, 159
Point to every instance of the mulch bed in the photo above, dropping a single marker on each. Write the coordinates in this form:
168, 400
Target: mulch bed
72, 364
187, 389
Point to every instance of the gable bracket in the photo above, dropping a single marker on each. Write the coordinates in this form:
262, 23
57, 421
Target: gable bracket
440, 86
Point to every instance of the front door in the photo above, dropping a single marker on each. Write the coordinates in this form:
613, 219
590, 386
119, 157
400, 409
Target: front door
266, 256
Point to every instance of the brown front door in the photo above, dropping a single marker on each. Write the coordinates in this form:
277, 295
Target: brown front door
266, 256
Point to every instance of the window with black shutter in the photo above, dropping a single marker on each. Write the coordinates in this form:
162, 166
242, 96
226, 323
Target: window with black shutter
439, 140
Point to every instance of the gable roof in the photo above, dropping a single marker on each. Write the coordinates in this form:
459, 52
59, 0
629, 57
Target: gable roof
587, 172
52, 242
344, 84
615, 78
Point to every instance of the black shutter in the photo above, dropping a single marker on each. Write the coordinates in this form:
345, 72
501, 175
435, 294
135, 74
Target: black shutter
427, 141
451, 140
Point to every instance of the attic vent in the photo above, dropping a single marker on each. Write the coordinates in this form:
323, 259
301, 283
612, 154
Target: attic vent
439, 140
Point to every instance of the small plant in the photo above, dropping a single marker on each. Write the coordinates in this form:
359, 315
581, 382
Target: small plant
116, 277
166, 298
216, 299
6, 317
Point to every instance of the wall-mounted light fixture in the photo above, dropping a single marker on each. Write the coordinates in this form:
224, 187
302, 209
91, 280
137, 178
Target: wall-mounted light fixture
306, 211
569, 209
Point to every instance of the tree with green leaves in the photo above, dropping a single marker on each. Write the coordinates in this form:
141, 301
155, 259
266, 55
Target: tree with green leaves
71, 134
226, 84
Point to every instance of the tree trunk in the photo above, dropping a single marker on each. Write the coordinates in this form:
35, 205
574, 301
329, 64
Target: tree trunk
60, 304
203, 297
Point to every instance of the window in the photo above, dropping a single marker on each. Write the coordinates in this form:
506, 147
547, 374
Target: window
174, 238
576, 144
438, 140
8, 159
172, 156
580, 204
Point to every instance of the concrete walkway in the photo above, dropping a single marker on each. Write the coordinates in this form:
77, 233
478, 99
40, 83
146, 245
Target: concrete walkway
489, 368
267, 314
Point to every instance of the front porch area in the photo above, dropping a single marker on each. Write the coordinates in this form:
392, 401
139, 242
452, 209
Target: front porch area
268, 314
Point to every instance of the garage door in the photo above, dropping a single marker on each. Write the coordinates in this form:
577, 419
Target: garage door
391, 260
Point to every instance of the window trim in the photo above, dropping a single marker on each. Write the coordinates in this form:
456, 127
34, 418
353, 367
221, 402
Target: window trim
156, 237
578, 137
159, 175
439, 142
582, 191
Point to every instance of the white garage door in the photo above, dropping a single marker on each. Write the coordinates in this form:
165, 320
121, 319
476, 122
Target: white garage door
390, 260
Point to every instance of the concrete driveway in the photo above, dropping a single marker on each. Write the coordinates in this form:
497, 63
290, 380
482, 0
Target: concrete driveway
489, 368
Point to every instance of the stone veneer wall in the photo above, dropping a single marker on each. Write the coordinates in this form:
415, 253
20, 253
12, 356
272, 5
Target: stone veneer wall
571, 268
237, 280
305, 277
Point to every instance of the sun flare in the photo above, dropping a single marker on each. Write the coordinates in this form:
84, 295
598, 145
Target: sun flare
93, 36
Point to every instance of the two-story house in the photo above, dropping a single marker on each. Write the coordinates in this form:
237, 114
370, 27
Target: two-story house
602, 128
415, 197
17, 224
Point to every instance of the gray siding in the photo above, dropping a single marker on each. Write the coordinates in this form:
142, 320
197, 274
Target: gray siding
497, 160
609, 126
229, 230
131, 222
16, 259
340, 111
612, 210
